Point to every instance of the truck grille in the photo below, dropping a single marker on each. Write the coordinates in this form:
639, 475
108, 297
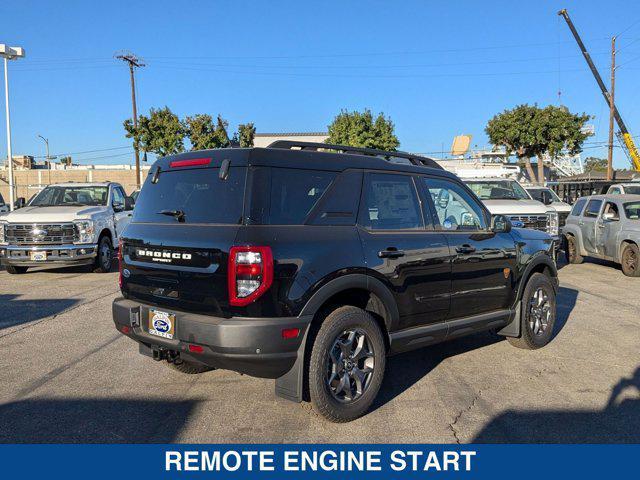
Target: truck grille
40, 233
535, 222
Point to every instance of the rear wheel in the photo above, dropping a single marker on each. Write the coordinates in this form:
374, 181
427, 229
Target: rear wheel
631, 260
347, 364
571, 251
102, 263
16, 270
190, 368
538, 314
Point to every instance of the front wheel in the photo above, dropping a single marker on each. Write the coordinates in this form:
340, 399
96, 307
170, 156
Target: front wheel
631, 260
347, 364
571, 250
16, 270
538, 314
104, 257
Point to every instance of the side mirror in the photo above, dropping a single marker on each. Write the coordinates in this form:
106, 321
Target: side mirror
500, 224
129, 203
20, 202
118, 207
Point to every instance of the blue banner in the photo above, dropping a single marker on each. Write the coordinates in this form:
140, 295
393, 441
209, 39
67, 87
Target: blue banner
319, 461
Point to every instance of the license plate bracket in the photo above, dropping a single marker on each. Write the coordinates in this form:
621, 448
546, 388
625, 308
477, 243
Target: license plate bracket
162, 324
38, 256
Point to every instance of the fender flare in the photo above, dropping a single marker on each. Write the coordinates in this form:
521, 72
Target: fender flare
354, 280
577, 234
291, 385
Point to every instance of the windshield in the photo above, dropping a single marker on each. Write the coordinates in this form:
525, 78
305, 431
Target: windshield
632, 189
71, 196
632, 210
498, 190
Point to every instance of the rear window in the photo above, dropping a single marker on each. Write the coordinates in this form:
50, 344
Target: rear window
199, 194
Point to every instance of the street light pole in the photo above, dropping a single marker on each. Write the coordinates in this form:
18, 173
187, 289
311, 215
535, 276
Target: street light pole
46, 142
8, 116
9, 53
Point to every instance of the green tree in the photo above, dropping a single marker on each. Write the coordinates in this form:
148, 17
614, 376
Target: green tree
529, 131
222, 137
161, 132
359, 129
203, 134
594, 164
246, 134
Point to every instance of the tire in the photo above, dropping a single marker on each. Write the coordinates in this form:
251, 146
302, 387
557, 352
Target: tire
190, 368
631, 260
538, 297
347, 364
16, 270
104, 257
571, 251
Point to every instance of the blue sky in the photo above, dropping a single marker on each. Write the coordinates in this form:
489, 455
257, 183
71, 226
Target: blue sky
436, 68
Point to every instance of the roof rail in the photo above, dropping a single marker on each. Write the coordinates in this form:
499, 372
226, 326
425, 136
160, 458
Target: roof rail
383, 154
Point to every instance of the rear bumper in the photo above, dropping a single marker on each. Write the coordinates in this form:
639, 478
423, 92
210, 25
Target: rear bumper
254, 346
63, 255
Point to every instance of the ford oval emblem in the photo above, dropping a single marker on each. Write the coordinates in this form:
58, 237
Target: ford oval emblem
161, 325
126, 273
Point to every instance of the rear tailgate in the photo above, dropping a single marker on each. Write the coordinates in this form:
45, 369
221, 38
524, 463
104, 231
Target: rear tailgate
177, 267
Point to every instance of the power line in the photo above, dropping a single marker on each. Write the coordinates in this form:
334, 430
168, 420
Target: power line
86, 151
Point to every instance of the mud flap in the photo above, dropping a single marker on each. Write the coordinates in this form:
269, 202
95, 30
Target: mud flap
512, 329
291, 385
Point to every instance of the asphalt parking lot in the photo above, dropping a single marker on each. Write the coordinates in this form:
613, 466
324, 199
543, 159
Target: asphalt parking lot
66, 375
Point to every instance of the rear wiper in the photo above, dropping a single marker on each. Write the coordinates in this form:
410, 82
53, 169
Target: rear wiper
177, 214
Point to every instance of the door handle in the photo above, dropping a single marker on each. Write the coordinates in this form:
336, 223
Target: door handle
601, 225
581, 223
465, 249
391, 252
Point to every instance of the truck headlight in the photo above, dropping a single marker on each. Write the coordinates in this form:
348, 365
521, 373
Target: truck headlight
85, 231
3, 237
553, 222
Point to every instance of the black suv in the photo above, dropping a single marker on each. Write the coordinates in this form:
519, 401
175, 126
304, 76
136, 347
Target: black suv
309, 263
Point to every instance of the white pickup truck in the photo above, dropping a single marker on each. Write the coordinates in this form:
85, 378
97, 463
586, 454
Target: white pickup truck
66, 224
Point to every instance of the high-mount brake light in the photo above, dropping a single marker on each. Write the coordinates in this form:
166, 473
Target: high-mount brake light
192, 162
249, 274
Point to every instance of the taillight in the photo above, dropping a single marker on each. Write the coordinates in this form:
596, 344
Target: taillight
250, 274
120, 247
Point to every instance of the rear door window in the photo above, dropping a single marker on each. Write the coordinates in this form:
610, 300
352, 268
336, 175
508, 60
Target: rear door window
390, 203
593, 208
199, 194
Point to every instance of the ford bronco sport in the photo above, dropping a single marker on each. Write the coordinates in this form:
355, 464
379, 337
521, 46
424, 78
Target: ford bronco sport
309, 263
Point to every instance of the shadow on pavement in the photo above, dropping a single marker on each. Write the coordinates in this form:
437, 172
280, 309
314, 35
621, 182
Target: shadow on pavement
93, 420
618, 422
17, 312
406, 369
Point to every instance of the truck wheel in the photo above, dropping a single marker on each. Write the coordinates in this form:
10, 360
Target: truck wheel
538, 314
347, 364
571, 251
16, 270
631, 260
190, 368
102, 263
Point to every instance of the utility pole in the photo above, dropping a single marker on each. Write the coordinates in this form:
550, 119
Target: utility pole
134, 62
48, 160
612, 109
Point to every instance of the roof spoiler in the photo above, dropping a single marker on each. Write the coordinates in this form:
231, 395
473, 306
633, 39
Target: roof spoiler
383, 154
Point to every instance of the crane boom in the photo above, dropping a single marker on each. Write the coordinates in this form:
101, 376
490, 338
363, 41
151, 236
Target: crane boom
626, 136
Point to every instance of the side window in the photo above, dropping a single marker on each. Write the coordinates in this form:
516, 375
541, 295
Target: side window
611, 210
117, 197
614, 191
593, 208
536, 194
577, 208
294, 193
455, 208
390, 203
